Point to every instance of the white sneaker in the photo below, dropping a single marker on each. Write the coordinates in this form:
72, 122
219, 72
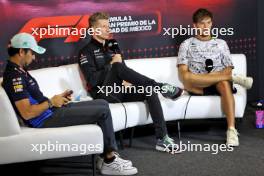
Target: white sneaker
242, 80
100, 161
232, 137
117, 167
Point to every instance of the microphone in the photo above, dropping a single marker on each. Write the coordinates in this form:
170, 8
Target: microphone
113, 46
209, 65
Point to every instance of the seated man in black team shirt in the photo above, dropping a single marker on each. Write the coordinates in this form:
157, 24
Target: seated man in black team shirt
102, 65
38, 111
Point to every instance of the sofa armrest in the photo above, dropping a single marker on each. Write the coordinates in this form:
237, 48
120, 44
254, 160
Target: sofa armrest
59, 143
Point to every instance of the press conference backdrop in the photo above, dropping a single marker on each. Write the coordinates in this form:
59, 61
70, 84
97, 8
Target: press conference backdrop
138, 25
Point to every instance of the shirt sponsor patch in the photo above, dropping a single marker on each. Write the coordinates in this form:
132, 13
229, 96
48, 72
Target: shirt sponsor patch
18, 88
97, 51
17, 84
83, 59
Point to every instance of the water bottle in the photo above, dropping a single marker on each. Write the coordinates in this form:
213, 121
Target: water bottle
260, 115
79, 95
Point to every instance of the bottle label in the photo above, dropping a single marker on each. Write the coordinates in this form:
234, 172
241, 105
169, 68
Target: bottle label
259, 119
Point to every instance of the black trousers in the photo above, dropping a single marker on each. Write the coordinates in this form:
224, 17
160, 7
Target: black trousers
88, 112
120, 72
212, 90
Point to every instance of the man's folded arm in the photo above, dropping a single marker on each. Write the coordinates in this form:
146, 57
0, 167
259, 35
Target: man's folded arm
28, 111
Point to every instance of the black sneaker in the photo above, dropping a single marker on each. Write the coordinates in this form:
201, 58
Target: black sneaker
170, 91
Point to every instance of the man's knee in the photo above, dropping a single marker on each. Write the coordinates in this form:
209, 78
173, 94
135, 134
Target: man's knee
187, 87
102, 108
105, 112
190, 88
186, 78
102, 102
117, 66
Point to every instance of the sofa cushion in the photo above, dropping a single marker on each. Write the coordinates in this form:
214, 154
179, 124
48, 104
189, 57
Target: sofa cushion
9, 123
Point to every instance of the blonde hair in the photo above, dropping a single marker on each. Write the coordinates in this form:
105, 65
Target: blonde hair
97, 16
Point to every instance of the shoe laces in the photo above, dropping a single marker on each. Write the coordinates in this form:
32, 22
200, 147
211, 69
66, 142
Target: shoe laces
168, 139
241, 79
119, 166
121, 160
233, 131
116, 154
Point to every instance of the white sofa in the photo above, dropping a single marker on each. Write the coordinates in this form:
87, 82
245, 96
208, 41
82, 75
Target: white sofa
20, 144
57, 79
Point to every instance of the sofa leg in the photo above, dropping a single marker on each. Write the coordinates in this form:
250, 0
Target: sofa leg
131, 136
179, 130
94, 164
121, 140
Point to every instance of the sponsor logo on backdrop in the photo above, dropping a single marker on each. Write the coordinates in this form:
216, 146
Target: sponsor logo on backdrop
73, 28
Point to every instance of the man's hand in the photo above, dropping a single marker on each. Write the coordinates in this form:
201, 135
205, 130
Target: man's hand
29, 111
67, 94
59, 100
116, 58
126, 84
227, 70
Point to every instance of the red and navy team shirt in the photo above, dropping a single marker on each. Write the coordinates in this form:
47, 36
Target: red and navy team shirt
19, 84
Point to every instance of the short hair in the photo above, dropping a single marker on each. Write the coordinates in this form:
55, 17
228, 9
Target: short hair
13, 51
97, 16
200, 14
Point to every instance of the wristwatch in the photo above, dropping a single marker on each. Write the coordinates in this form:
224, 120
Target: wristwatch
50, 104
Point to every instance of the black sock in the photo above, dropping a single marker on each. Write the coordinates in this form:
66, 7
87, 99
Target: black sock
109, 160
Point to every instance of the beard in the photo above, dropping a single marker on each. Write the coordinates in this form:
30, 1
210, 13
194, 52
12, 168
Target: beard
26, 65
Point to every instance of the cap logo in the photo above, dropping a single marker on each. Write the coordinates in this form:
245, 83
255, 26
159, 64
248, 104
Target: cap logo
25, 44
